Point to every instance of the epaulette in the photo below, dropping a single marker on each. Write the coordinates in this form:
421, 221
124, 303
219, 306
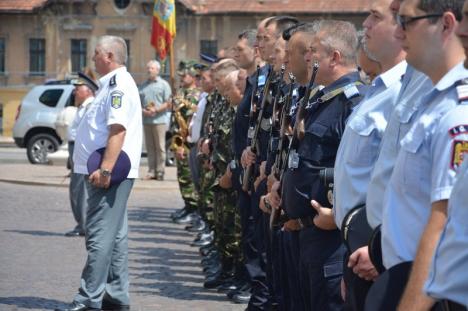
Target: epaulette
462, 90
112, 81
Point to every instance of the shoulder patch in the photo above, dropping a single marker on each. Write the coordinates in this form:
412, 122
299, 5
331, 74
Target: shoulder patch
459, 129
462, 92
351, 91
116, 99
113, 81
459, 151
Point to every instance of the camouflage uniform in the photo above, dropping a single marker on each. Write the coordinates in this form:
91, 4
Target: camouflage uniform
188, 97
207, 176
225, 214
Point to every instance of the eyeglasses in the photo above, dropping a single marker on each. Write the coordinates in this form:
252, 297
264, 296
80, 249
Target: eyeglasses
404, 21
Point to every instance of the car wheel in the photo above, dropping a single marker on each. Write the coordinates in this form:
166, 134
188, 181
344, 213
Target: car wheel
39, 146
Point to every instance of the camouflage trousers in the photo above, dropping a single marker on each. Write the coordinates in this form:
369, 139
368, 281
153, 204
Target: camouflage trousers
186, 185
227, 226
205, 199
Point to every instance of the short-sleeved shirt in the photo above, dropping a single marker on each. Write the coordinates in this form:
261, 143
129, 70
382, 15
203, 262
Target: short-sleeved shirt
80, 112
447, 277
360, 144
117, 102
156, 92
414, 85
424, 170
197, 118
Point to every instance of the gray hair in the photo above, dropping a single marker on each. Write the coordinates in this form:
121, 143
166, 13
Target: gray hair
363, 45
250, 35
155, 63
115, 45
338, 35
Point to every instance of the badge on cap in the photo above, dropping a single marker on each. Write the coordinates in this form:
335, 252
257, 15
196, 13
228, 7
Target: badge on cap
116, 99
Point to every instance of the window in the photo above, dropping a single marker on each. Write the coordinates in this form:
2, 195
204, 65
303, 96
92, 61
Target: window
2, 55
121, 4
78, 54
37, 57
51, 97
209, 46
127, 41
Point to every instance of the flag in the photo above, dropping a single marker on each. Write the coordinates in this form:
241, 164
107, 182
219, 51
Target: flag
164, 26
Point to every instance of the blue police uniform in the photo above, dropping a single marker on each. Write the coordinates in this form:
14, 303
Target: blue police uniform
321, 251
408, 103
360, 143
447, 278
424, 170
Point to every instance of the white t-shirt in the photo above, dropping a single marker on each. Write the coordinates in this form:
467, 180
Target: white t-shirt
116, 102
63, 122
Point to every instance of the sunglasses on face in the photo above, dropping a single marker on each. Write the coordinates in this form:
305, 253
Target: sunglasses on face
404, 21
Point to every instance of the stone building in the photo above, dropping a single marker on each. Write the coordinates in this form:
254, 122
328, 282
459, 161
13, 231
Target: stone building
53, 39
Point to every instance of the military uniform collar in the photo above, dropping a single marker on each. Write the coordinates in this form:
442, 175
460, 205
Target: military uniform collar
455, 74
392, 75
106, 79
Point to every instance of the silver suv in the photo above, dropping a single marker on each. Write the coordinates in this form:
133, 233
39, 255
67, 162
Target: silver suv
34, 127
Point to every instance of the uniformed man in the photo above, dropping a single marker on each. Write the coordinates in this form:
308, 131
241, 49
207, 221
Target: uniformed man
447, 279
85, 88
185, 103
416, 217
113, 121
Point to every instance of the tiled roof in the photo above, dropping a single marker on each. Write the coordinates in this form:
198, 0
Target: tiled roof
20, 6
276, 6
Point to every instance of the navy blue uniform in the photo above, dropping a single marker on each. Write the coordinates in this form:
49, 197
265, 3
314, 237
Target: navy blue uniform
321, 251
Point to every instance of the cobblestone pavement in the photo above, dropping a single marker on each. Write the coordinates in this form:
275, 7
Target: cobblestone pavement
40, 268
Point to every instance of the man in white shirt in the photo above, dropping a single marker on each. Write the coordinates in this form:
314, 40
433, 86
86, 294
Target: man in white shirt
114, 122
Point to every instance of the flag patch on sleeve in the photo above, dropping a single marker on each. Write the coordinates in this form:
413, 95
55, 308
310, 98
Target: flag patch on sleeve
116, 99
459, 151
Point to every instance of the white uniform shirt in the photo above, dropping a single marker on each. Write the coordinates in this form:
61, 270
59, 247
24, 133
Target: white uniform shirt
360, 144
196, 121
415, 85
116, 102
447, 277
424, 170
78, 117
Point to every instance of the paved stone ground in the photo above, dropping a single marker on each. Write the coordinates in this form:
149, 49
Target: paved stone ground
40, 268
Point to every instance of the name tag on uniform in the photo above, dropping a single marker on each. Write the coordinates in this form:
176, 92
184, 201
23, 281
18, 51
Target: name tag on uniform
293, 161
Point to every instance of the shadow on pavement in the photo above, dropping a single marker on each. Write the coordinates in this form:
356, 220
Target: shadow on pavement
157, 268
32, 303
36, 232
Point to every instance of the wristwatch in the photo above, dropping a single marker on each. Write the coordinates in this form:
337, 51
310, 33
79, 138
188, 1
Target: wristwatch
105, 172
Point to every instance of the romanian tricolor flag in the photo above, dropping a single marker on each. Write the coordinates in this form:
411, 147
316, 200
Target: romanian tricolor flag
164, 26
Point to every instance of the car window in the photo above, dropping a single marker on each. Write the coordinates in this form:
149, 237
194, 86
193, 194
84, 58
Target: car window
51, 97
70, 100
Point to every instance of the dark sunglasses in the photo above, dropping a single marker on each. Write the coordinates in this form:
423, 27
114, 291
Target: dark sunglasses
404, 21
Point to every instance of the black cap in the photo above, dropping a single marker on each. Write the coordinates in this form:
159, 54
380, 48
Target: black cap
83, 79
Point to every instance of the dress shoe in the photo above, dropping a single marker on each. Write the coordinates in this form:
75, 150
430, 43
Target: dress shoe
149, 177
245, 287
76, 306
74, 232
199, 226
179, 213
214, 281
207, 250
242, 297
228, 285
212, 271
203, 242
189, 218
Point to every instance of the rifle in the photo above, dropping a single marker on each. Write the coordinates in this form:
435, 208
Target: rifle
248, 176
277, 105
276, 213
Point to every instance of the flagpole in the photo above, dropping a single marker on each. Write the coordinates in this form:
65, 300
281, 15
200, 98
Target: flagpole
171, 67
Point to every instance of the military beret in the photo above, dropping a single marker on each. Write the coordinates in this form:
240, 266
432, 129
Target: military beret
83, 79
187, 67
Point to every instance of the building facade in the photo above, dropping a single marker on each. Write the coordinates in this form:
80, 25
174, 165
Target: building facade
42, 40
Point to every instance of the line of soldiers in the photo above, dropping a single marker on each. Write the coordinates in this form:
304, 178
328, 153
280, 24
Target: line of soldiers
323, 170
